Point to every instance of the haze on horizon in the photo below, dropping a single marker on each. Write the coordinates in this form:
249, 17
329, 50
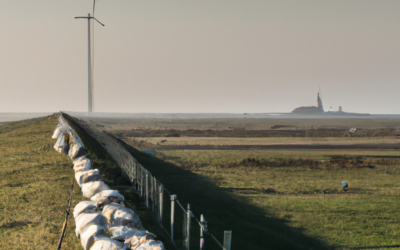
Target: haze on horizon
231, 56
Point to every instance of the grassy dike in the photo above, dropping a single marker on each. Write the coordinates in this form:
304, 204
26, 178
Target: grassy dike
35, 184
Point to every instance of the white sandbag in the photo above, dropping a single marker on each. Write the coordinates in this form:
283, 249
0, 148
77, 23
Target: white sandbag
82, 207
87, 176
107, 196
122, 233
117, 215
56, 133
104, 243
84, 220
82, 164
76, 140
87, 237
75, 151
59, 144
91, 188
146, 242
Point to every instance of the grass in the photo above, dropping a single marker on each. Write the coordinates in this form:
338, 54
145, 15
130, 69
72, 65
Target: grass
310, 200
34, 187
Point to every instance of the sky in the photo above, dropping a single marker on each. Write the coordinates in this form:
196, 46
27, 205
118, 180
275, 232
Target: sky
170, 56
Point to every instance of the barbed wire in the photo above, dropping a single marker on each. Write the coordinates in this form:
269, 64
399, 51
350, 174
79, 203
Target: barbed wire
66, 215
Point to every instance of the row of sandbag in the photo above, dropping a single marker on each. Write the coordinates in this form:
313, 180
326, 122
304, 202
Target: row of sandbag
103, 222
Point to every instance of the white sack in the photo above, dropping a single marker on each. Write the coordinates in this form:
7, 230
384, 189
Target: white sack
103, 197
104, 243
84, 220
82, 164
124, 232
59, 144
146, 242
87, 176
91, 188
117, 215
82, 207
74, 150
87, 237
56, 133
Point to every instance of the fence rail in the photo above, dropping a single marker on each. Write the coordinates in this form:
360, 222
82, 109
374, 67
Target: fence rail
153, 191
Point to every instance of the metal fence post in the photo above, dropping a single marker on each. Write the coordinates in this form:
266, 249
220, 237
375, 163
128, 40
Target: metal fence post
202, 232
152, 192
173, 198
147, 189
161, 200
227, 240
188, 214
141, 181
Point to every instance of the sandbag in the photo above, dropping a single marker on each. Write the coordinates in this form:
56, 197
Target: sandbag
65, 148
56, 133
87, 176
87, 237
117, 215
107, 196
59, 144
91, 188
82, 207
146, 242
122, 233
87, 218
82, 164
76, 151
104, 243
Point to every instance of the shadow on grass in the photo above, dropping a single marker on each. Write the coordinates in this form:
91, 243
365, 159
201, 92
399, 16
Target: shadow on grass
371, 247
253, 227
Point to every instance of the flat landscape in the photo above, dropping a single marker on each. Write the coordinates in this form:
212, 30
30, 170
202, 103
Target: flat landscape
280, 198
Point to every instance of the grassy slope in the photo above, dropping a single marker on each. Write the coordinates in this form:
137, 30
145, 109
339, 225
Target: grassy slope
34, 187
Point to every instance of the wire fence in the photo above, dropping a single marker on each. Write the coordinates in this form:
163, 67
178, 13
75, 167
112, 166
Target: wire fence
154, 193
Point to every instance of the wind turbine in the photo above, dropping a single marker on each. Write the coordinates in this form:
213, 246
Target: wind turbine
90, 83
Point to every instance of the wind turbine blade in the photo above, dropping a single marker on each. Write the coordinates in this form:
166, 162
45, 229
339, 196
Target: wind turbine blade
98, 21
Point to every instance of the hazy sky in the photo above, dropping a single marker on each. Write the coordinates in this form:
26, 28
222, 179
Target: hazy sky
201, 56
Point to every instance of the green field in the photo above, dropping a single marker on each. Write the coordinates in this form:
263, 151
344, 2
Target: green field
311, 199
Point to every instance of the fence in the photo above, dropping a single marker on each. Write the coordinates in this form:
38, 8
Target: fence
153, 193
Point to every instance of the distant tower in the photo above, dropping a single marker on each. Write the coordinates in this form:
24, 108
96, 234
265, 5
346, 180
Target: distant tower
340, 109
319, 104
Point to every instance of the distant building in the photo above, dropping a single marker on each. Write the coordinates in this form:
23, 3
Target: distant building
319, 109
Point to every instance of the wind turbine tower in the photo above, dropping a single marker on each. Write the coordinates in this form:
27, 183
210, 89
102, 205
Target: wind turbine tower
90, 76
